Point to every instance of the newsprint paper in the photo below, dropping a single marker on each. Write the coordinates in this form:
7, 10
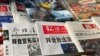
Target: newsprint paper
23, 40
54, 38
88, 35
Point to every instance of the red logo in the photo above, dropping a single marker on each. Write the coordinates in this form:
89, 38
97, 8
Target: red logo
20, 7
3, 8
48, 29
89, 26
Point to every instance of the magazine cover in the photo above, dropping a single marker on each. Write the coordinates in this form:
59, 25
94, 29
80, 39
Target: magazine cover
88, 35
5, 14
23, 40
61, 15
55, 39
57, 11
83, 10
96, 10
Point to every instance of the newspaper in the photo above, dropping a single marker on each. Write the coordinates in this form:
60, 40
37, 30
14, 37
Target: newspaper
88, 35
19, 12
23, 40
54, 38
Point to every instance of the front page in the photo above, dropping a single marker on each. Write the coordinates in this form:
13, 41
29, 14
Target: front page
88, 35
54, 38
23, 40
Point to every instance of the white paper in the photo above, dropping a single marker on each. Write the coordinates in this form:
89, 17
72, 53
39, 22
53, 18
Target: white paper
23, 40
87, 33
54, 38
19, 16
